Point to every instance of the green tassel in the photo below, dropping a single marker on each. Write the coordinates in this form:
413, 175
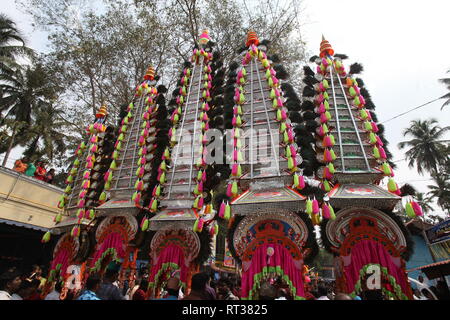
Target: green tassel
58, 218
154, 206
290, 163
102, 196
333, 155
113, 165
68, 189
121, 137
115, 155
331, 168
368, 126
376, 153
288, 152
326, 105
195, 228
309, 207
273, 95
234, 188
145, 225
108, 185
227, 214
325, 84
70, 179
372, 138
283, 127
296, 181
326, 186
76, 163
332, 214
410, 211
91, 214
363, 114
392, 186
46, 237
195, 205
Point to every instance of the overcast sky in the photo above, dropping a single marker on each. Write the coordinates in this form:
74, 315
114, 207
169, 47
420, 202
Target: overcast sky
403, 45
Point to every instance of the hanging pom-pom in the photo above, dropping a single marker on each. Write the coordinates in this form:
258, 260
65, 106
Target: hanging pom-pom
309, 207
392, 186
315, 206
154, 205
326, 211
227, 214
417, 209
332, 214
58, 218
46, 237
75, 232
326, 186
144, 224
91, 214
222, 209
410, 211
234, 189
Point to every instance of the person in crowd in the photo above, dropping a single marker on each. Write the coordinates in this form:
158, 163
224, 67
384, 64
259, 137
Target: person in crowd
282, 294
10, 282
56, 292
92, 287
372, 295
322, 292
224, 287
31, 169
50, 176
35, 293
21, 165
25, 291
109, 291
342, 296
40, 171
36, 273
267, 291
210, 292
173, 288
198, 288
141, 292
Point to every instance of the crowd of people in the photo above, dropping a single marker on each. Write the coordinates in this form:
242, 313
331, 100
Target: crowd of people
36, 170
16, 286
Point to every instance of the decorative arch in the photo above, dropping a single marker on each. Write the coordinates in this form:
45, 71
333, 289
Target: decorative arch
272, 244
172, 249
113, 235
65, 252
363, 238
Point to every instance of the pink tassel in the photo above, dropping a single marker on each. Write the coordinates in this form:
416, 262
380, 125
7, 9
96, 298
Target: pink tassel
321, 87
229, 190
106, 176
222, 210
280, 104
87, 175
322, 108
379, 142
374, 127
323, 118
277, 93
137, 200
382, 153
207, 108
293, 151
140, 186
417, 209
301, 184
290, 136
315, 205
141, 140
234, 170
141, 172
81, 203
89, 165
200, 225
327, 156
201, 202
235, 155
327, 142
320, 98
82, 194
327, 174
362, 100
283, 114
200, 187
326, 211
233, 122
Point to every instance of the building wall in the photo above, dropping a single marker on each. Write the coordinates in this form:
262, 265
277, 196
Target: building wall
421, 256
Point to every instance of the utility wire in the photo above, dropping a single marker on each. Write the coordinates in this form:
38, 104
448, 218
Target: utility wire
401, 114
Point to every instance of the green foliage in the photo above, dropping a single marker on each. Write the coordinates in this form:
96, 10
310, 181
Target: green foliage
425, 147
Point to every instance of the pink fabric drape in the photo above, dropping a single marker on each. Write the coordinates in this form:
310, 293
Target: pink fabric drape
281, 258
371, 252
171, 254
114, 241
61, 257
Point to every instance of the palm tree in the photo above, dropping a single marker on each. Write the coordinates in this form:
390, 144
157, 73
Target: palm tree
441, 191
424, 201
425, 147
446, 81
24, 92
45, 135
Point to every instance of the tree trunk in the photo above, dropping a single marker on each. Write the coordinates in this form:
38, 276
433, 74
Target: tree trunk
11, 143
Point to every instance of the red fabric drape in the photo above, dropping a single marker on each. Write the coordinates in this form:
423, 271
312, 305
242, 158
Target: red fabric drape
280, 258
371, 252
114, 241
171, 254
61, 257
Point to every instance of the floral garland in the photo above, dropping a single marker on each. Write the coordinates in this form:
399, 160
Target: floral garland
165, 270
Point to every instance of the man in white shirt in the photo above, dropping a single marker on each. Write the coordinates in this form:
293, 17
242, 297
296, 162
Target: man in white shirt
56, 293
323, 292
9, 284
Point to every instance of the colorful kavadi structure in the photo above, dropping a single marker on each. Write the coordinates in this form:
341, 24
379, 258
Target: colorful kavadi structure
290, 164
